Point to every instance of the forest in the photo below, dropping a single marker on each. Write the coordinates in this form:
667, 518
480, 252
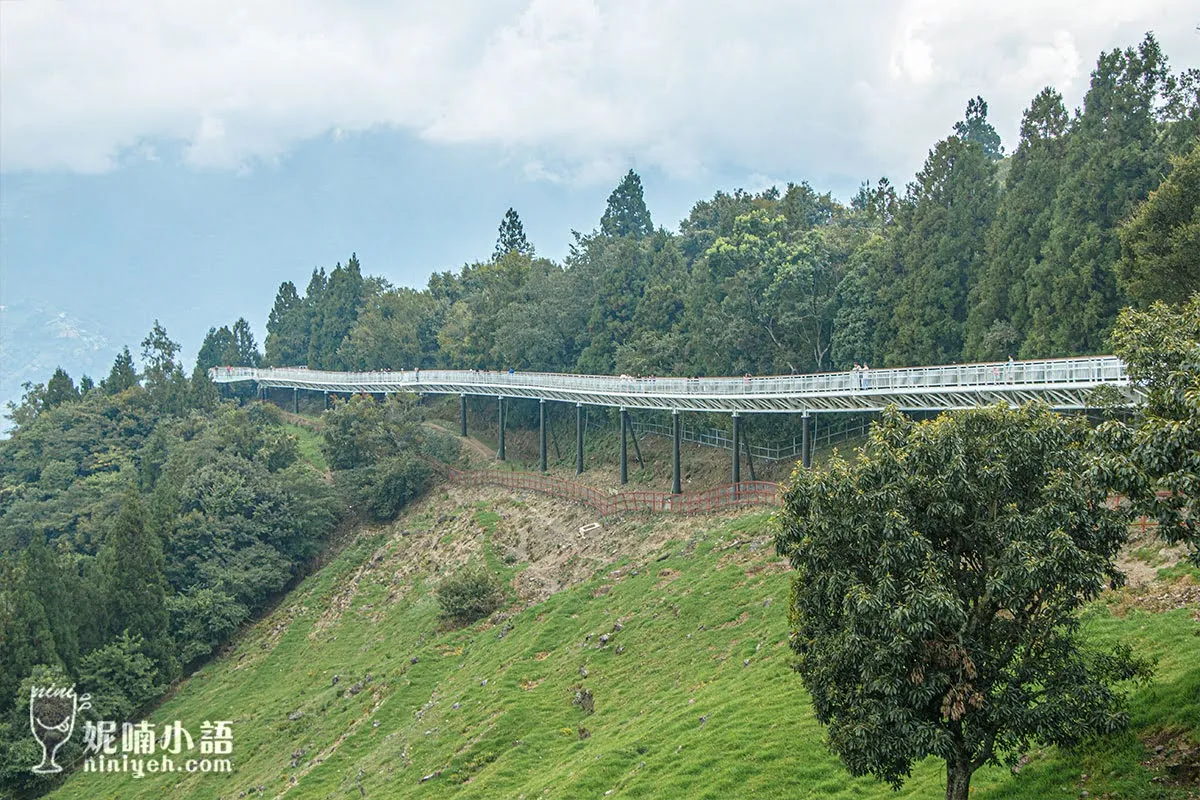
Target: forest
144, 517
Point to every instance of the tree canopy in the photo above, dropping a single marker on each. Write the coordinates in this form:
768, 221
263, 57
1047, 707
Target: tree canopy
938, 580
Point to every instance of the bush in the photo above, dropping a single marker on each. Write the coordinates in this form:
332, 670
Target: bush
469, 595
396, 481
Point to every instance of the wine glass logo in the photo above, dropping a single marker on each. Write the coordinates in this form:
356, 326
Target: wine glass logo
52, 711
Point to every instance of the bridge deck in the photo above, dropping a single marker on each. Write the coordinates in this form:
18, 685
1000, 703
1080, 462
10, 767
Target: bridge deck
1064, 384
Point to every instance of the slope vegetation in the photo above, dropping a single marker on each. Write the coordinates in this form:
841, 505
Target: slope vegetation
646, 658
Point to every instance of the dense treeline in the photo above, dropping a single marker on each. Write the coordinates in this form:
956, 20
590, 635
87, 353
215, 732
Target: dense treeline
982, 256
141, 522
143, 519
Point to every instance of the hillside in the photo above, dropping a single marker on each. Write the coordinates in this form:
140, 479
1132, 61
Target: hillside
676, 629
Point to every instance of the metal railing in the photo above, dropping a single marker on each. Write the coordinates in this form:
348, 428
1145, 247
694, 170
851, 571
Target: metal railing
1064, 383
1090, 369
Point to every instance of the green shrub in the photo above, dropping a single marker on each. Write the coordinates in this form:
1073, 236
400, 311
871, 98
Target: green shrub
469, 595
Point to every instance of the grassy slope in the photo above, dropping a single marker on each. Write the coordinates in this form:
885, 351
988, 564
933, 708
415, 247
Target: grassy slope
701, 702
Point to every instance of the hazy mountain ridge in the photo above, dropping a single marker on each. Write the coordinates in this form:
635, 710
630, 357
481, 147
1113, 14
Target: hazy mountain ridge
36, 338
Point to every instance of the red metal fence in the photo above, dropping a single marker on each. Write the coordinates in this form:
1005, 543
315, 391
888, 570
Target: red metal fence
735, 495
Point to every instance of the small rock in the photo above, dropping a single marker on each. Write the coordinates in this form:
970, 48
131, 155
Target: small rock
295, 715
703, 719
336, 678
483, 682
583, 671
620, 649
456, 706
603, 639
431, 776
356, 688
745, 662
413, 660
617, 626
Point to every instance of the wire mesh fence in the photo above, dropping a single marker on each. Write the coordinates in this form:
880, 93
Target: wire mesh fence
721, 498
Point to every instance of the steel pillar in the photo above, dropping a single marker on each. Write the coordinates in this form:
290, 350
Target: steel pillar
737, 447
579, 438
637, 450
500, 406
462, 415
326, 401
542, 434
295, 401
624, 447
677, 437
806, 440
749, 458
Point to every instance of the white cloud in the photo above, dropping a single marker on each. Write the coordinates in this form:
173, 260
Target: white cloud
575, 90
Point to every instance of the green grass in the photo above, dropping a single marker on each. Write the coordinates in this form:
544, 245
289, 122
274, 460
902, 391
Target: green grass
309, 444
700, 703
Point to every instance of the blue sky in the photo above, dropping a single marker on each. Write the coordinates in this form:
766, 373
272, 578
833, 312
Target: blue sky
178, 161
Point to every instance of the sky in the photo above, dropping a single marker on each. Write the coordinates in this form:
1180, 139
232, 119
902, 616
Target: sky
178, 161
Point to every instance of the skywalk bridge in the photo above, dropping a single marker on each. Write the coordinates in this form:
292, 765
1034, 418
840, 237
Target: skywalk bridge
1064, 384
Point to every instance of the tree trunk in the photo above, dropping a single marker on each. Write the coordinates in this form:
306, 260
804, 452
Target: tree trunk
958, 781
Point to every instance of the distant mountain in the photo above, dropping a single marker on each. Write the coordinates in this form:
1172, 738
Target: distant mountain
36, 338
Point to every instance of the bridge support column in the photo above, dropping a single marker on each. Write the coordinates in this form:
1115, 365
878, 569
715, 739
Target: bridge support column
749, 457
326, 401
295, 401
462, 415
624, 447
677, 437
500, 407
806, 440
542, 434
579, 438
737, 448
637, 450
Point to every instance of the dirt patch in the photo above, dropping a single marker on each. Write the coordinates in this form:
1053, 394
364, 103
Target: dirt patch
1145, 554
1183, 592
1174, 753
666, 576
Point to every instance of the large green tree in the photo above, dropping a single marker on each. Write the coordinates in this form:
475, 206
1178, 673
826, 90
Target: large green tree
940, 244
626, 213
998, 313
1160, 243
512, 236
938, 582
135, 585
334, 313
1114, 157
1156, 460
287, 328
123, 374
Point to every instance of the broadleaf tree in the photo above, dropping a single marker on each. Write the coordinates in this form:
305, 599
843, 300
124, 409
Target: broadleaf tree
1155, 461
938, 581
